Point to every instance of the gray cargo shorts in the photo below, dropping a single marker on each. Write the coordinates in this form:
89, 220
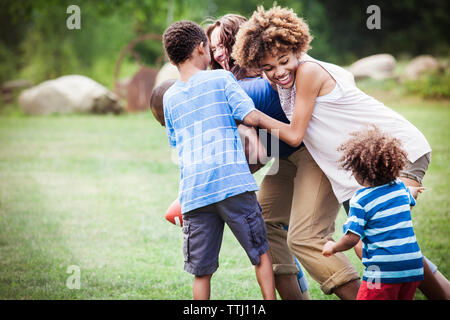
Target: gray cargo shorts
203, 231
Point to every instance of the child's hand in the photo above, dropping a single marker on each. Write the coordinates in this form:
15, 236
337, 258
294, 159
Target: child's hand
416, 190
328, 249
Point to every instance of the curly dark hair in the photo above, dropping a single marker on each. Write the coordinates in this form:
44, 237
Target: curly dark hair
373, 156
181, 38
273, 31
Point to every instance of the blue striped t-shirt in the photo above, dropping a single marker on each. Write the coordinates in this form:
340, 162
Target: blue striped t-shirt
200, 122
381, 216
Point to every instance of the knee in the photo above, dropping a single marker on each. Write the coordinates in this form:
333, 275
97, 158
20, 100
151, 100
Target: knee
295, 242
303, 243
275, 231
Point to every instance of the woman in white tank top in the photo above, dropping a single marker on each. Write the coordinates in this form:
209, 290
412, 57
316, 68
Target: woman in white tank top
322, 103
339, 112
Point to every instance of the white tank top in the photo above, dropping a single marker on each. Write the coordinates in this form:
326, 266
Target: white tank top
344, 110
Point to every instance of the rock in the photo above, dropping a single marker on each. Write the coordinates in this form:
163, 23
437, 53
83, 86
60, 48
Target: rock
420, 65
68, 94
379, 66
167, 72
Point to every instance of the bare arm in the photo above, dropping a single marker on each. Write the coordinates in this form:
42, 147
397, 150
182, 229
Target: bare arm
348, 241
416, 190
255, 152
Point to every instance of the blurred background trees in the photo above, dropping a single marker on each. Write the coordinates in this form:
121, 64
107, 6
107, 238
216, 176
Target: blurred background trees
36, 45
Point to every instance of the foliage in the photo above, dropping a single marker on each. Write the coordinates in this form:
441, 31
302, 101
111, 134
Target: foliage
432, 85
410, 26
38, 46
8, 69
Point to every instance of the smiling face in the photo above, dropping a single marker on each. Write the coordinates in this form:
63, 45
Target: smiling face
220, 53
281, 69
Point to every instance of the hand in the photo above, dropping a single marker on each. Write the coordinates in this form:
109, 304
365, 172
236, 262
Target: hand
328, 249
255, 152
416, 190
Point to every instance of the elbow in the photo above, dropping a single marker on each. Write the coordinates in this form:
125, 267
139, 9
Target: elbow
355, 241
252, 119
295, 141
352, 238
293, 136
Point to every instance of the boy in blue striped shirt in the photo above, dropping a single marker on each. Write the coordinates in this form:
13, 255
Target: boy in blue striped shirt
380, 216
216, 185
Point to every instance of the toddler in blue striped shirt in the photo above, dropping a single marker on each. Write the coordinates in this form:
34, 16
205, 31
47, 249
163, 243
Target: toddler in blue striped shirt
380, 216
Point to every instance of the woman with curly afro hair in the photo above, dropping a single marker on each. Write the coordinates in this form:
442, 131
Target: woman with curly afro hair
324, 106
293, 169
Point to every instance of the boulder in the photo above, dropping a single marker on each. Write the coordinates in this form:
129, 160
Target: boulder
68, 94
379, 66
167, 72
420, 65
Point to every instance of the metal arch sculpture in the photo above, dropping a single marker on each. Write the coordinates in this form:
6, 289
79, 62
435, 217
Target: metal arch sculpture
139, 88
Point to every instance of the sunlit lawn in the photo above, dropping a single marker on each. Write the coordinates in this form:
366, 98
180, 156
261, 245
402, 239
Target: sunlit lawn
91, 191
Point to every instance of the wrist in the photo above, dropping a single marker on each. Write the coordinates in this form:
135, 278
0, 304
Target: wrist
333, 248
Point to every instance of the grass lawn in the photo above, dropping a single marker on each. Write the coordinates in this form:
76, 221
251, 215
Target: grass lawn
91, 191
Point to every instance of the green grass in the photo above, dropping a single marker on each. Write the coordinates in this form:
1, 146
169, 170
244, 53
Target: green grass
91, 191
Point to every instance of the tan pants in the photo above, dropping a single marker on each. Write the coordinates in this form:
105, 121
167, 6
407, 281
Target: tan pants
300, 195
